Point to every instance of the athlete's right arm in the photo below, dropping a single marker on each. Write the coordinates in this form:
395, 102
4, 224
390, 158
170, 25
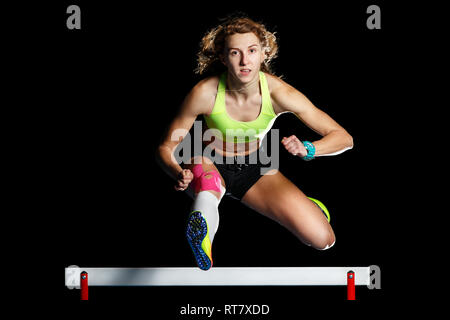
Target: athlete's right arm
199, 101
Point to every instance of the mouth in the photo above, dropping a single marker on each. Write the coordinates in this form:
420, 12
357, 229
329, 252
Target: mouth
245, 72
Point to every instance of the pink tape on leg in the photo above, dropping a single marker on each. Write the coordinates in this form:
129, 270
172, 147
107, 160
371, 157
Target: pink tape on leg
204, 181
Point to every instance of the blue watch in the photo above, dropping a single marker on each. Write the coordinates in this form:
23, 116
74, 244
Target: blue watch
311, 151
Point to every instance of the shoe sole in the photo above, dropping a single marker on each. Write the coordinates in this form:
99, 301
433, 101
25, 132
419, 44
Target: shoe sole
196, 232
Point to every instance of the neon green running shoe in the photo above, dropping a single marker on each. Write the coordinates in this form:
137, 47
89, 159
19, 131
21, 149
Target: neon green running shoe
198, 237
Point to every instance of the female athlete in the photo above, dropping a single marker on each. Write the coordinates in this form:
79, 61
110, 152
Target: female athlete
239, 102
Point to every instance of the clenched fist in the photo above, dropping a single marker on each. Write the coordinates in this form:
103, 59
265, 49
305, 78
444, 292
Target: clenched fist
294, 146
184, 178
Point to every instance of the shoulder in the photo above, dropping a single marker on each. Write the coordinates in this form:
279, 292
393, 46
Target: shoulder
202, 96
278, 85
207, 85
273, 81
280, 92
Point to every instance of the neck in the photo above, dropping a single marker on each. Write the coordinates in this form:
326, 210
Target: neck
239, 89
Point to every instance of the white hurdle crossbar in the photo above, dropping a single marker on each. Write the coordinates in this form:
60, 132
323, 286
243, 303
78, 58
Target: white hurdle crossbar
217, 276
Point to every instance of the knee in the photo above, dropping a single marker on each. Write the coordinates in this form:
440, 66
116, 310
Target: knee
205, 181
325, 240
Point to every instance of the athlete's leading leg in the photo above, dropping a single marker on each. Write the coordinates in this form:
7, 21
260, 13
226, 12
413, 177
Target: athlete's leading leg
207, 188
278, 198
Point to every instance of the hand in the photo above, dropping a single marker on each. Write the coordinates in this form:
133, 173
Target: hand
294, 146
184, 178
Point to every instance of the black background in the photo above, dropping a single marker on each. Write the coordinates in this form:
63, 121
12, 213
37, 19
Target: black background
111, 88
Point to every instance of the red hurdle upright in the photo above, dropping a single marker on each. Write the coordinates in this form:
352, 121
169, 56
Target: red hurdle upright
350, 285
84, 285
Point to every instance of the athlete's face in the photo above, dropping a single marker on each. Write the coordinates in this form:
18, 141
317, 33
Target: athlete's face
243, 55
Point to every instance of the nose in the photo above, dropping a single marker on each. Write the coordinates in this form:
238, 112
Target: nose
244, 59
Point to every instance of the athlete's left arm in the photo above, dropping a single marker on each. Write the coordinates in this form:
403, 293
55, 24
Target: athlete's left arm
335, 139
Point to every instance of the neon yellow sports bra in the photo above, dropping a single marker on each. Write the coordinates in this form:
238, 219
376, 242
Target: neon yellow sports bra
241, 131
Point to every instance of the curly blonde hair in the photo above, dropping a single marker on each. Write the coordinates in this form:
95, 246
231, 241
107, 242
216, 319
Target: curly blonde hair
213, 44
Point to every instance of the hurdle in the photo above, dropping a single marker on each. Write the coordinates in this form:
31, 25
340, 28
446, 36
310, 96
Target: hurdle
82, 278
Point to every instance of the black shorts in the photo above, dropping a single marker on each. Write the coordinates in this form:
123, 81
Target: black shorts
240, 174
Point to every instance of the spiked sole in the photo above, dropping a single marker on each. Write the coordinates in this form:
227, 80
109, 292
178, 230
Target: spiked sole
196, 232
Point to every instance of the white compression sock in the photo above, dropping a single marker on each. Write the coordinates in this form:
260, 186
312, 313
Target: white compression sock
208, 205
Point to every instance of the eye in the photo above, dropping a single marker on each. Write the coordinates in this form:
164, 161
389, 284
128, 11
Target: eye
234, 53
